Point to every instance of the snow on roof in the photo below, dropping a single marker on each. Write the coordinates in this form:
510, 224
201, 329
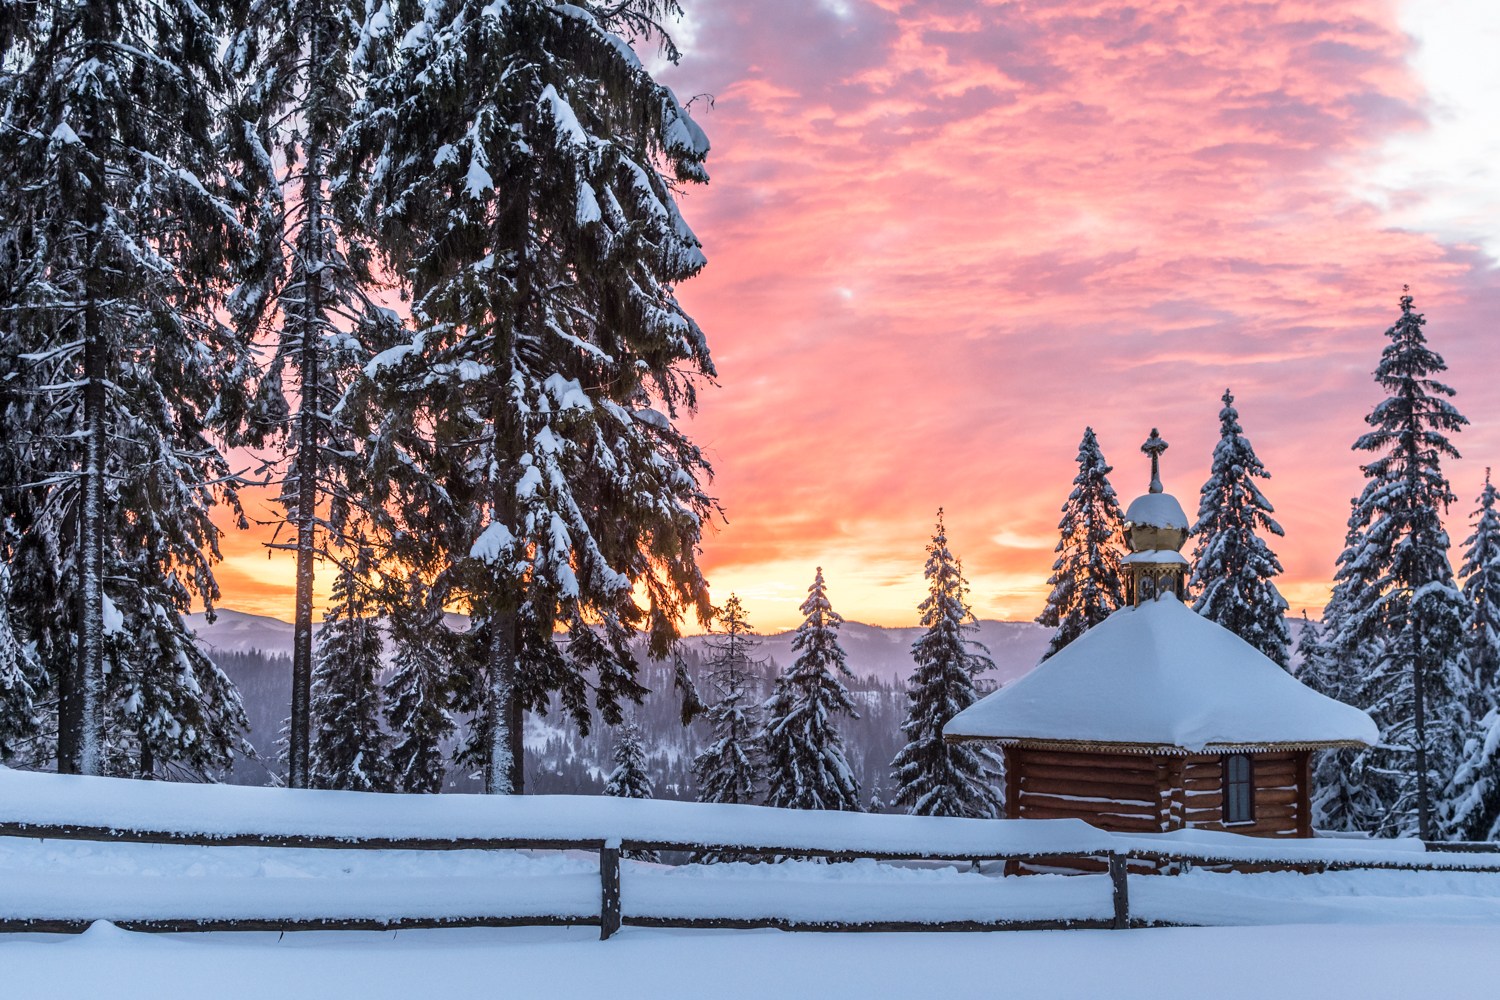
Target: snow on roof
1162, 675
1157, 510
1156, 556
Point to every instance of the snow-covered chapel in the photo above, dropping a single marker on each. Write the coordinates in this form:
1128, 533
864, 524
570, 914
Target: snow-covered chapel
1158, 719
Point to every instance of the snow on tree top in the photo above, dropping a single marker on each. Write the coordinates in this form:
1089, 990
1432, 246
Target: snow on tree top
1162, 676
1157, 510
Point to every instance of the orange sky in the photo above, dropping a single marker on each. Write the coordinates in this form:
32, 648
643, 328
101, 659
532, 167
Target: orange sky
944, 236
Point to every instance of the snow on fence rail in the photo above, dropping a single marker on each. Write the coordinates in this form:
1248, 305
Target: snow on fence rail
126, 811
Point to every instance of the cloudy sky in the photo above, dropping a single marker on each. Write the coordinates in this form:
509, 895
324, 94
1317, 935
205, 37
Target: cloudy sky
946, 235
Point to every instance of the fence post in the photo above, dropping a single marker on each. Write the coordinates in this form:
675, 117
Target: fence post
1118, 873
609, 889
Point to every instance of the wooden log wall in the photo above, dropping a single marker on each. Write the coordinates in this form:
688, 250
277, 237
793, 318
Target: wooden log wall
1140, 793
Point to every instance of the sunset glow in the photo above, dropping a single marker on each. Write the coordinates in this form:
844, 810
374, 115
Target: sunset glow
944, 236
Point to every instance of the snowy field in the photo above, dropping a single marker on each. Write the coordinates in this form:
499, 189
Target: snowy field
1365, 933
1396, 961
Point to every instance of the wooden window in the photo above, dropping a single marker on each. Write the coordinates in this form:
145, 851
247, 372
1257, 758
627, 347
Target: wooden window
1239, 790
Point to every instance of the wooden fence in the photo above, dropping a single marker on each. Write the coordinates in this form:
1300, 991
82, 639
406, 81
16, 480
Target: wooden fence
609, 917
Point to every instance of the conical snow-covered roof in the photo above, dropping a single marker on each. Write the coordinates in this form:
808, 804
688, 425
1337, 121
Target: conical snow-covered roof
1162, 678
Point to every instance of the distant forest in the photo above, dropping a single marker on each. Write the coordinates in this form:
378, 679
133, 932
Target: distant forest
559, 760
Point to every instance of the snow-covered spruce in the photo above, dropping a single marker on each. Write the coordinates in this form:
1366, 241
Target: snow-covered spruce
729, 769
121, 231
1472, 799
1232, 565
19, 714
1399, 597
804, 752
629, 779
416, 695
505, 161
304, 294
1085, 578
1481, 588
1338, 797
349, 746
934, 778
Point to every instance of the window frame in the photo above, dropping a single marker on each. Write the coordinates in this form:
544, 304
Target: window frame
1237, 792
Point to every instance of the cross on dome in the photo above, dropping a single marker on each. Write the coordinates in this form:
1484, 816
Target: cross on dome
1154, 446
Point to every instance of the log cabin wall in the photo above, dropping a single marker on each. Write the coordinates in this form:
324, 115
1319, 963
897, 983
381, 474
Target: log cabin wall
1119, 792
1143, 793
1280, 781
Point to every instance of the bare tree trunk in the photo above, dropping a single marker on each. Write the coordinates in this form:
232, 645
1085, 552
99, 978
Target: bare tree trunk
310, 254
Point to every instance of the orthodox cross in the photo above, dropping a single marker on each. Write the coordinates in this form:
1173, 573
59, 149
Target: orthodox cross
1154, 446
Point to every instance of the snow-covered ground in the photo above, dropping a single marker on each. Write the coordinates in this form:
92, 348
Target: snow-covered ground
1395, 961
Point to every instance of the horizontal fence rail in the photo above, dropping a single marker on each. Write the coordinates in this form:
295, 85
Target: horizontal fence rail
55, 807
610, 916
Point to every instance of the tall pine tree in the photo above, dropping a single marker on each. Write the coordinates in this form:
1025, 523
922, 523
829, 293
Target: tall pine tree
935, 778
805, 763
729, 768
1085, 579
121, 233
306, 295
349, 746
1406, 606
1232, 565
512, 160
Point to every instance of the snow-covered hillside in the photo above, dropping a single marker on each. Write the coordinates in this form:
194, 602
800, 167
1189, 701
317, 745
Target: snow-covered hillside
873, 651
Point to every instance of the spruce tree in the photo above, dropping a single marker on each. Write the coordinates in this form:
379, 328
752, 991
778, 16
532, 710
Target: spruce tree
1480, 571
729, 768
935, 778
511, 160
349, 746
805, 763
416, 696
1232, 565
306, 295
1085, 579
1471, 802
121, 232
1406, 605
19, 713
629, 779
1471, 808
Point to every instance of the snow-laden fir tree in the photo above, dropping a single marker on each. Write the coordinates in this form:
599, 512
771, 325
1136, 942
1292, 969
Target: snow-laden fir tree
1480, 571
519, 168
1471, 809
629, 779
19, 713
305, 296
804, 752
1471, 802
120, 235
416, 695
349, 745
1406, 603
1338, 797
1232, 565
729, 767
934, 778
877, 800
1085, 579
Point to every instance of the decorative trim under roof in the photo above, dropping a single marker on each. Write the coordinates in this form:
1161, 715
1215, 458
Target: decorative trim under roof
1153, 749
